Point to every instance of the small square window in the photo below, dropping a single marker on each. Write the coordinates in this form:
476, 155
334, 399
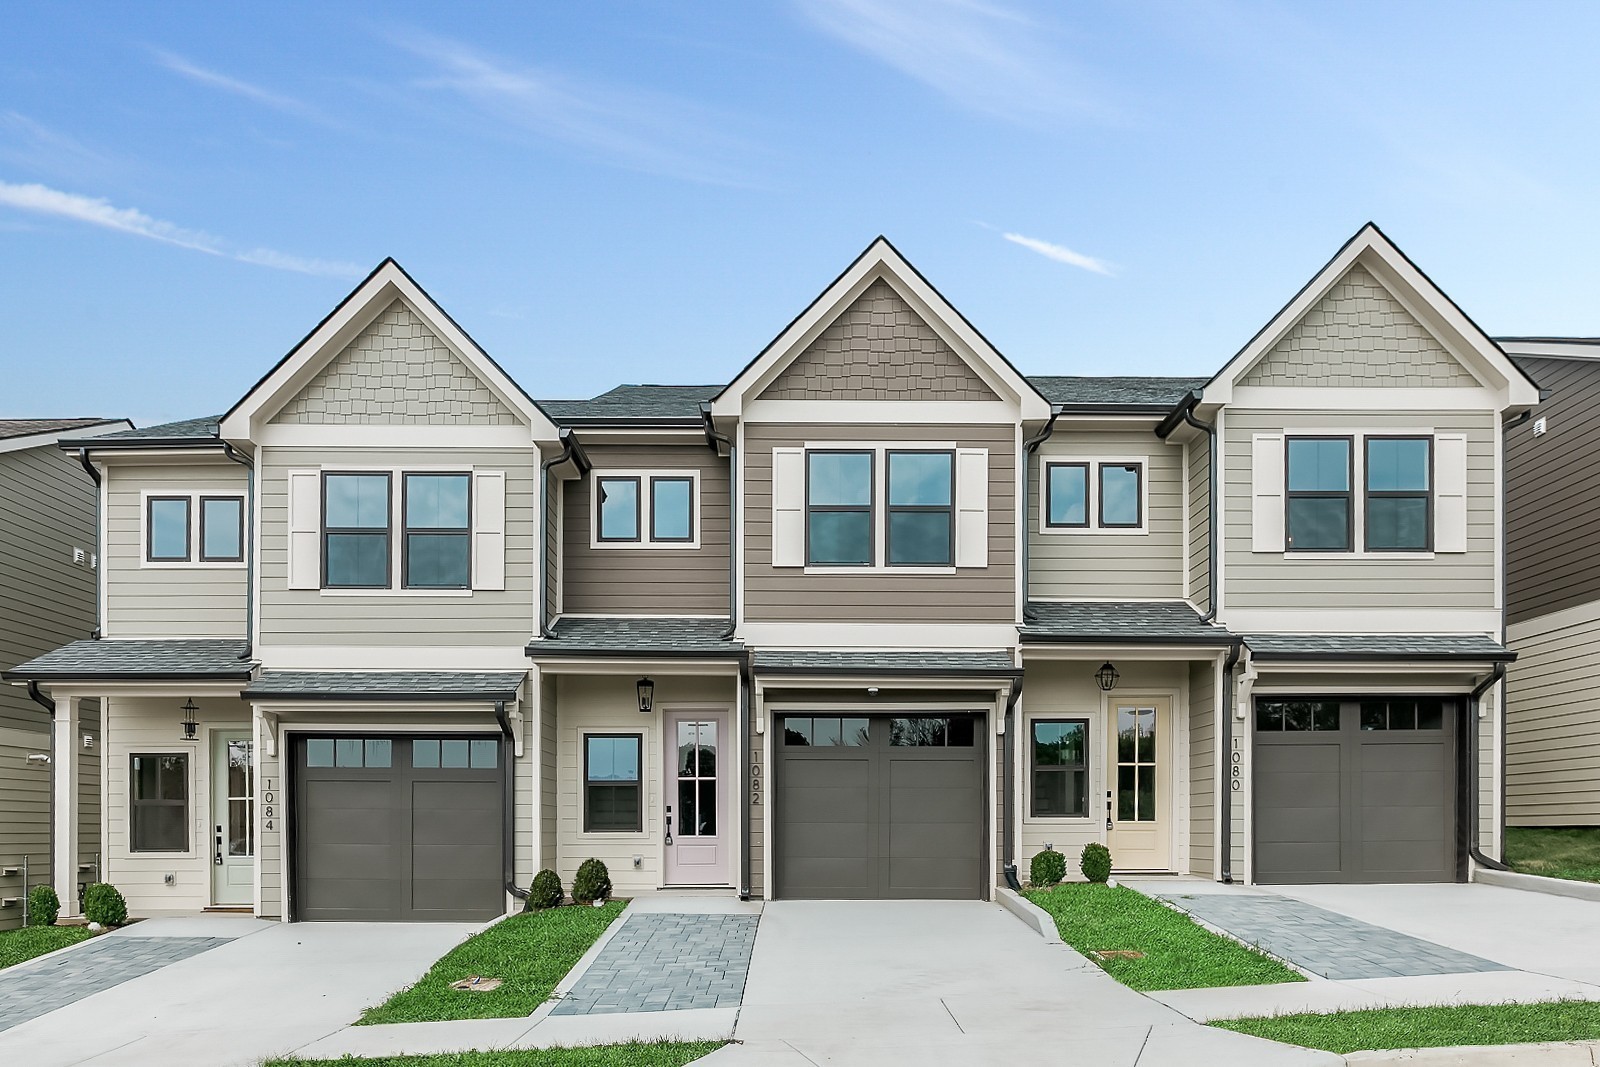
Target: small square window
455, 754
671, 509
167, 529
485, 755
425, 753
319, 752
617, 510
221, 529
1121, 498
379, 752
1066, 489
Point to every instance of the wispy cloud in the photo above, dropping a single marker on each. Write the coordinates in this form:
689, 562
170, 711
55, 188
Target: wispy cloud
1060, 253
226, 83
42, 200
34, 146
984, 57
633, 128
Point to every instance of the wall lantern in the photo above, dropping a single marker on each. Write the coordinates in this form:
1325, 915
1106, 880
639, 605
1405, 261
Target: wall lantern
647, 695
189, 724
1107, 677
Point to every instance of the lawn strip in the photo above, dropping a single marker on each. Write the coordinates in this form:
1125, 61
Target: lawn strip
634, 1054
529, 953
1571, 852
31, 941
1175, 952
1394, 1028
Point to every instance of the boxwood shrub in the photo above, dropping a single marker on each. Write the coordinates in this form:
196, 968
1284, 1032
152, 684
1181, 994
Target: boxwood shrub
592, 883
1047, 869
43, 906
104, 905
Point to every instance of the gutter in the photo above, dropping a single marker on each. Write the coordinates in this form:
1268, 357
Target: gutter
571, 451
715, 437
40, 699
1029, 447
1471, 793
1185, 414
508, 816
248, 548
1008, 851
742, 736
1225, 733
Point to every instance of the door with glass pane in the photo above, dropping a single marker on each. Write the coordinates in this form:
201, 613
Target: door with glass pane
696, 800
233, 822
1139, 815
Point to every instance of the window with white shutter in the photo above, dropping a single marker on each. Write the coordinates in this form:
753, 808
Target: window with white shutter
488, 529
1450, 493
788, 507
305, 529
972, 507
1266, 493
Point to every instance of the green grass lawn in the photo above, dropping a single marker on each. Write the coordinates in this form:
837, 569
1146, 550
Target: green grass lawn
1391, 1028
529, 953
1555, 852
1178, 953
31, 941
656, 1054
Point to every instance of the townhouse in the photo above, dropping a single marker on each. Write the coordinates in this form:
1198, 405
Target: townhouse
879, 616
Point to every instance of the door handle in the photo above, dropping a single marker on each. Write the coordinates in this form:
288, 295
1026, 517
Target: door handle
219, 847
669, 824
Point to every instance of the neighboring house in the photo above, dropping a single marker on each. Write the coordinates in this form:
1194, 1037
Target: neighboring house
878, 617
49, 544
1552, 741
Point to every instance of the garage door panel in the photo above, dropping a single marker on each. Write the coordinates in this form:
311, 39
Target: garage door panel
357, 894
824, 876
1298, 757
827, 805
956, 804
824, 838
1280, 825
932, 875
1391, 791
1382, 753
1382, 859
1309, 860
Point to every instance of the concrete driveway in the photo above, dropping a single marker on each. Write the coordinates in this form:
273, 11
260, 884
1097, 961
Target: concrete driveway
272, 988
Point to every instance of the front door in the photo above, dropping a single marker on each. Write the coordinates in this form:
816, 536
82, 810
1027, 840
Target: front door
696, 801
1139, 819
233, 823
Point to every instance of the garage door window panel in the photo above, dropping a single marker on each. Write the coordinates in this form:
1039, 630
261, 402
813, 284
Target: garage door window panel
1059, 751
1399, 496
1388, 715
932, 731
825, 731
1319, 498
1297, 716
159, 802
613, 798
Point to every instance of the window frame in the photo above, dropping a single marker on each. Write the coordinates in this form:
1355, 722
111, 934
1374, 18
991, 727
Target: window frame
638, 508
200, 547
1093, 501
645, 508
135, 804
1368, 494
1138, 468
388, 528
150, 500
464, 532
1049, 494
694, 510
637, 737
871, 507
890, 508
1033, 767
1349, 495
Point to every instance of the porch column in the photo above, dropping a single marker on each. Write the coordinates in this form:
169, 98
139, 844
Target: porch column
64, 802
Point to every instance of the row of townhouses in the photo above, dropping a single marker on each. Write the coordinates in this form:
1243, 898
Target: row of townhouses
880, 616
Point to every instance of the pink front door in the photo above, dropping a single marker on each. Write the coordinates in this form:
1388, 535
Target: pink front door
696, 801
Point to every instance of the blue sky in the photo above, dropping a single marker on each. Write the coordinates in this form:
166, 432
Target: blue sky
607, 193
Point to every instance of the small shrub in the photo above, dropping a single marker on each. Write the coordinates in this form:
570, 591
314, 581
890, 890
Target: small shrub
1047, 869
43, 906
1096, 862
104, 905
546, 891
593, 882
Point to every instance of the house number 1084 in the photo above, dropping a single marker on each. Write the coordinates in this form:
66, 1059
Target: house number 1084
268, 799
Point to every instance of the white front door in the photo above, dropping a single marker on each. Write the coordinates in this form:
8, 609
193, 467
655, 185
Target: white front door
233, 823
1140, 794
696, 800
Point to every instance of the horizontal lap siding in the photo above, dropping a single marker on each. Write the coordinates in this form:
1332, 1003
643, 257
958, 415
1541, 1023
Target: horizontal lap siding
1449, 580
487, 617
1111, 566
25, 825
648, 581
1553, 735
548, 797
1199, 489
1202, 766
269, 773
788, 594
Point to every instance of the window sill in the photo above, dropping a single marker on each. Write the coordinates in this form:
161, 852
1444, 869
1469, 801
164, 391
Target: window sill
183, 564
1057, 531
1325, 556
612, 835
1076, 820
398, 592
655, 545
880, 570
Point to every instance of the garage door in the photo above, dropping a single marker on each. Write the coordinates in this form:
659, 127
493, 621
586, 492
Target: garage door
879, 806
392, 828
1355, 790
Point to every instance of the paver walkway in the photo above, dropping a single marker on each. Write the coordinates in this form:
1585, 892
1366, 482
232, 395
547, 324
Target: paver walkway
666, 962
1325, 942
27, 992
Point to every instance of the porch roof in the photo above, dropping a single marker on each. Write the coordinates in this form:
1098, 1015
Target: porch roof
697, 638
386, 685
128, 660
1358, 648
1125, 622
935, 664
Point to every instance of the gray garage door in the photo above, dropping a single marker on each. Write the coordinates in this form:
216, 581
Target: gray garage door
1355, 790
391, 828
879, 806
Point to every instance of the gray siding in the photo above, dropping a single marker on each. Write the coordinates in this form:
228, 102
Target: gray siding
1553, 703
1088, 564
788, 594
25, 825
1202, 766
1450, 580
548, 796
487, 617
761, 781
1199, 490
647, 581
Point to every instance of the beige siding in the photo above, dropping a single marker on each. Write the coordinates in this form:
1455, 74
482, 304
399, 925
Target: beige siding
548, 794
1202, 766
1199, 490
1553, 703
25, 830
661, 580
1089, 564
760, 798
89, 837
1488, 727
1272, 580
526, 770
272, 797
199, 600
970, 595
553, 491
485, 618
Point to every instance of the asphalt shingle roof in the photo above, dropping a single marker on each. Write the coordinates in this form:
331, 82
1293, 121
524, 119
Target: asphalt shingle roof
1114, 392
624, 637
387, 685
633, 403
10, 428
1164, 622
121, 659
940, 663
1376, 647
183, 430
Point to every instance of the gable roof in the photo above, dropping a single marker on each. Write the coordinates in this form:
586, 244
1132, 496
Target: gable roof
653, 405
881, 261
387, 283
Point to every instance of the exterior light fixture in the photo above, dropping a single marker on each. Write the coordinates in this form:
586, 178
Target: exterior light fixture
647, 695
189, 724
1106, 677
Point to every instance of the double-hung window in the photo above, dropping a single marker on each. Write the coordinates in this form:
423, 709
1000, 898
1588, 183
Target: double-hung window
158, 804
355, 531
921, 507
1059, 754
839, 508
166, 526
612, 792
1399, 498
438, 531
1319, 499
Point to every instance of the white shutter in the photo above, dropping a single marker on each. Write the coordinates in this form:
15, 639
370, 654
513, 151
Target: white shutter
305, 529
1450, 493
972, 507
788, 507
489, 530
1266, 493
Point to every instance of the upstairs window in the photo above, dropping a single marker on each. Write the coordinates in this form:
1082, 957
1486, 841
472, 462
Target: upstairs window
221, 529
1066, 493
167, 529
1121, 503
672, 509
438, 533
617, 510
1319, 510
1093, 495
1399, 479
355, 533
839, 513
922, 514
645, 509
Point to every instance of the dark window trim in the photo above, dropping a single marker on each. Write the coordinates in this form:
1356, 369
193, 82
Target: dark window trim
1348, 496
1453, 706
1033, 768
202, 546
1369, 494
889, 509
638, 509
1049, 495
638, 739
406, 531
134, 804
871, 507
1137, 467
387, 529
150, 529
688, 480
